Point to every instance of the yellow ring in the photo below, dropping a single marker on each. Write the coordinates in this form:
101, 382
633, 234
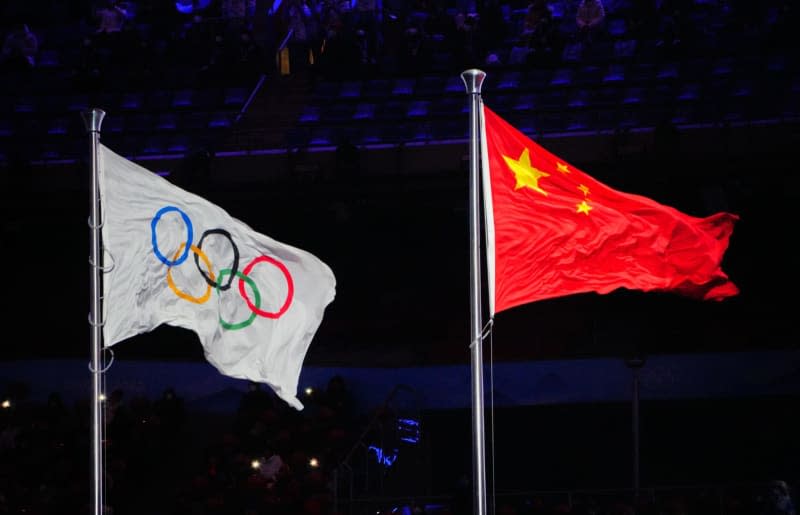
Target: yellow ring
179, 293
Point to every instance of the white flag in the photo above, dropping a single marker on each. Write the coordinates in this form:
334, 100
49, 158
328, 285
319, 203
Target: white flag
177, 259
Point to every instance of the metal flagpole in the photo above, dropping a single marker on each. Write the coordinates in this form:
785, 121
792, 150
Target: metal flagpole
473, 79
635, 365
93, 120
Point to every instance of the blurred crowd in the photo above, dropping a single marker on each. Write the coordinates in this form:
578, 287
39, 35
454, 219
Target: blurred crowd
162, 458
165, 456
227, 39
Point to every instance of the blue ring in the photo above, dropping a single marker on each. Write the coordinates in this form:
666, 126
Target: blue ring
189, 238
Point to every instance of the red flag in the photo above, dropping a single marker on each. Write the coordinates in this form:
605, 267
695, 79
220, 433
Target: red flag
552, 230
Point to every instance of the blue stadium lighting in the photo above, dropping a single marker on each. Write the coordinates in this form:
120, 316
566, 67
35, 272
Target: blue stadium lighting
190, 6
311, 114
561, 77
167, 122
219, 120
275, 6
455, 85
690, 92
525, 102
131, 101
617, 27
409, 429
403, 87
633, 97
373, 139
509, 83
350, 89
615, 74
178, 147
419, 108
58, 127
668, 71
387, 460
579, 100
364, 112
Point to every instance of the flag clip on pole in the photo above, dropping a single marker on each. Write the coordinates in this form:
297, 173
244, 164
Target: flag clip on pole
473, 79
93, 120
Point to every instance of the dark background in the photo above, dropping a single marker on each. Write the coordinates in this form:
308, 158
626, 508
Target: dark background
391, 216
393, 224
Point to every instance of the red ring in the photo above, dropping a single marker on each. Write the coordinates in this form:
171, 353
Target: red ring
289, 282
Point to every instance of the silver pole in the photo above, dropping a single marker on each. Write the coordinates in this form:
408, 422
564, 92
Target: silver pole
93, 119
473, 79
635, 422
635, 364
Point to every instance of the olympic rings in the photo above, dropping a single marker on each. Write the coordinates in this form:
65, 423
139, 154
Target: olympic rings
234, 270
179, 293
216, 282
252, 284
153, 236
289, 284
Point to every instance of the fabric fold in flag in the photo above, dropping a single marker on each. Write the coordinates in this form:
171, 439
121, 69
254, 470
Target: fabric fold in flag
553, 230
178, 259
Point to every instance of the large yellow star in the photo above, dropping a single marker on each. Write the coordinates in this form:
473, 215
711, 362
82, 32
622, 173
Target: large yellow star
526, 174
584, 208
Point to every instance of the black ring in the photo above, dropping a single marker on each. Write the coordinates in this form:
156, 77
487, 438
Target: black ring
234, 267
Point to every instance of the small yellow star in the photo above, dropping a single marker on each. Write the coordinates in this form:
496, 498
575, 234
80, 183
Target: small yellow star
584, 208
584, 189
526, 174
563, 168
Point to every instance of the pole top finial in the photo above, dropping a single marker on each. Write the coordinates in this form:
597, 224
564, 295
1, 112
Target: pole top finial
473, 79
93, 119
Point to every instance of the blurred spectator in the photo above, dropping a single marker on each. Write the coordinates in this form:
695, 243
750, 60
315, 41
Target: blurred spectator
20, 48
238, 13
86, 69
540, 34
785, 17
171, 414
250, 56
221, 58
300, 25
195, 42
537, 14
674, 26
779, 500
437, 22
366, 21
347, 161
465, 39
415, 55
494, 28
590, 19
493, 61
254, 402
346, 50
111, 16
641, 19
338, 398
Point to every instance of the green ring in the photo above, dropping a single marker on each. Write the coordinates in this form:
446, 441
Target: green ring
257, 300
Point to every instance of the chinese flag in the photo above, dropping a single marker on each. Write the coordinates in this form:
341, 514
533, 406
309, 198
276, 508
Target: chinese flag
552, 230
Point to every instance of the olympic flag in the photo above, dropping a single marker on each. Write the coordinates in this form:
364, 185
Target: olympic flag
177, 259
